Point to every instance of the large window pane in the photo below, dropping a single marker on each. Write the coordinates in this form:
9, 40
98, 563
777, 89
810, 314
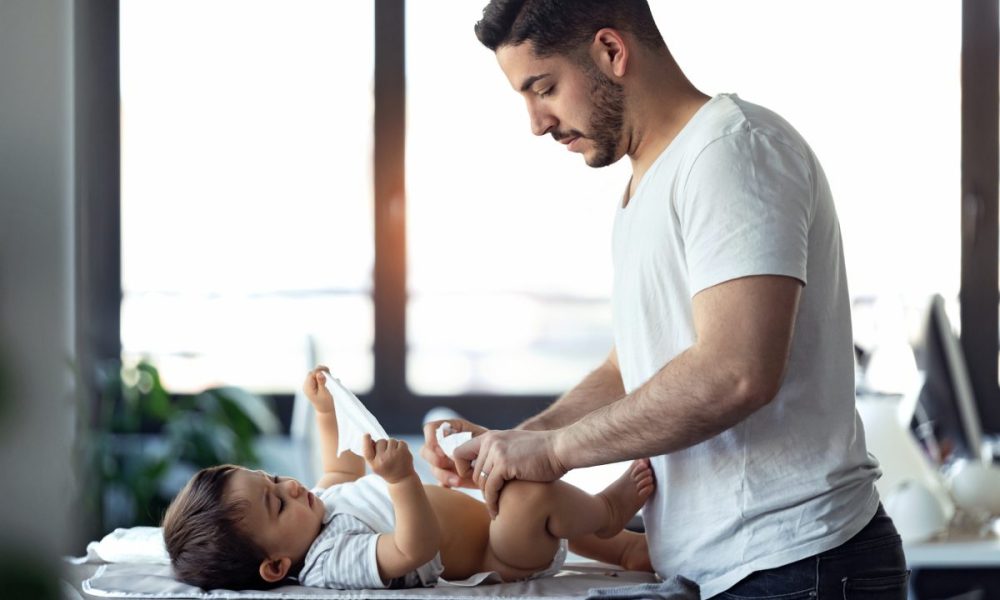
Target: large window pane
874, 88
511, 295
509, 235
247, 236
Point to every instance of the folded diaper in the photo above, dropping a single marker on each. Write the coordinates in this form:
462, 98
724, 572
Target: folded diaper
449, 440
353, 419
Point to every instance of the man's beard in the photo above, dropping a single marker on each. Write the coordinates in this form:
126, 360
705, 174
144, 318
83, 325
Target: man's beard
607, 119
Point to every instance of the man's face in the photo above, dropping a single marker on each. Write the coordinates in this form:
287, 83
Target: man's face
282, 516
577, 104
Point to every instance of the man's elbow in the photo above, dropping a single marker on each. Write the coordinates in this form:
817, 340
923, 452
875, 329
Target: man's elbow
755, 390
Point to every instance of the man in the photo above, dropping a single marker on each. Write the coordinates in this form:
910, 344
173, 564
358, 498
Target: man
732, 365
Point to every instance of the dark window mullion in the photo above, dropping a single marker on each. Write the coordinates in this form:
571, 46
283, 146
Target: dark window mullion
389, 390
97, 167
980, 224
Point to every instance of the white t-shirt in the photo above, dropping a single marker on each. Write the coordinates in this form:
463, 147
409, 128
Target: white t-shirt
739, 192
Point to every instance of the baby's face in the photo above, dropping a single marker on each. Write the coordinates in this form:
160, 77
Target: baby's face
282, 516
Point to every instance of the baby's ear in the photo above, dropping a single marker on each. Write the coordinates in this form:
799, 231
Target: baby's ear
275, 569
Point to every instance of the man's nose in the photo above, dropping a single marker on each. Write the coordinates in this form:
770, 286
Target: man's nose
541, 121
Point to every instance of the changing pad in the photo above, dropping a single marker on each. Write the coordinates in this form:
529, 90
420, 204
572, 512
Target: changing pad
129, 580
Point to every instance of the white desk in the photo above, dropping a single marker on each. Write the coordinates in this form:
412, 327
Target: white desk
955, 552
952, 567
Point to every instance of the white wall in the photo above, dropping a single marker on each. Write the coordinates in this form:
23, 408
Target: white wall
36, 274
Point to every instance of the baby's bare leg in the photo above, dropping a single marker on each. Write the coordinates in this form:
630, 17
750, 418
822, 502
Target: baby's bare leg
533, 517
628, 550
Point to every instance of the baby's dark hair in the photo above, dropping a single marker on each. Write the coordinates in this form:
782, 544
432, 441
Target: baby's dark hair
201, 530
563, 26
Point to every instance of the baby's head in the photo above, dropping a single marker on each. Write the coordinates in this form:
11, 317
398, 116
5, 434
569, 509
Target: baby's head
235, 528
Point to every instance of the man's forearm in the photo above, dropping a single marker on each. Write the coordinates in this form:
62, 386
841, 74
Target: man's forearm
688, 401
600, 387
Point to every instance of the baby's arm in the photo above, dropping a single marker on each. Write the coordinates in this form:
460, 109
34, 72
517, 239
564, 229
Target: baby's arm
417, 537
336, 469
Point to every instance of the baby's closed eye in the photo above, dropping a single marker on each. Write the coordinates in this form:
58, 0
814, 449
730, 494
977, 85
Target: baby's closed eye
281, 501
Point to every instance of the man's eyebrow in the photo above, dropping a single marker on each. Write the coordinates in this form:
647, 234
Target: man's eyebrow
531, 80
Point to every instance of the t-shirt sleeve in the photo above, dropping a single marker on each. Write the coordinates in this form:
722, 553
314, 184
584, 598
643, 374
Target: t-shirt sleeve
745, 209
346, 559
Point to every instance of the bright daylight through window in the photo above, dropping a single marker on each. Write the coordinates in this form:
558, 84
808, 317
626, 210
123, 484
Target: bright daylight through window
247, 236
247, 196
510, 235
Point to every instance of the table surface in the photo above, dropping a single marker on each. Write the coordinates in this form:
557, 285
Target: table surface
955, 550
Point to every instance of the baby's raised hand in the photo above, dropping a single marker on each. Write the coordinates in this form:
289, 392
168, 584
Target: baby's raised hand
315, 389
389, 459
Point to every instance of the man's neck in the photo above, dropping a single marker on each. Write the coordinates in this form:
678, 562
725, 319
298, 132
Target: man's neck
656, 127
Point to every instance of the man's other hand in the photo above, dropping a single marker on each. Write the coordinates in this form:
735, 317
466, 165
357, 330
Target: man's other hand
445, 470
513, 454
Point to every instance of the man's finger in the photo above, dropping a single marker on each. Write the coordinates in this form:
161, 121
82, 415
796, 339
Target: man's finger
433, 454
491, 492
470, 449
463, 469
430, 437
451, 479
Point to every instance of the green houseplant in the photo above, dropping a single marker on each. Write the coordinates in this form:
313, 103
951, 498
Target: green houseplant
148, 443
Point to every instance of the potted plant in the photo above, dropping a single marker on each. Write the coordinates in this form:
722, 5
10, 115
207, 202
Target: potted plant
148, 443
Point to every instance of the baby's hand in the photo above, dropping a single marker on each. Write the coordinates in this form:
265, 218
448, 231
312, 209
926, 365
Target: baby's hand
315, 389
389, 459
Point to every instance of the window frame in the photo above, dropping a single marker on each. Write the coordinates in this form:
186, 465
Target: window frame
98, 224
979, 296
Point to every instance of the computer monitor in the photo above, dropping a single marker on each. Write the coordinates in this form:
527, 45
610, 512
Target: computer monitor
946, 400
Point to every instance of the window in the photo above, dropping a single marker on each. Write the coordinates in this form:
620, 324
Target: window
236, 170
246, 190
509, 235
876, 97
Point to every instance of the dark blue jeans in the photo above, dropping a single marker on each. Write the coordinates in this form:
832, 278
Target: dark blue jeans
869, 566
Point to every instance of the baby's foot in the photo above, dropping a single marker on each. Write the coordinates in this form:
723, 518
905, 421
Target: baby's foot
625, 496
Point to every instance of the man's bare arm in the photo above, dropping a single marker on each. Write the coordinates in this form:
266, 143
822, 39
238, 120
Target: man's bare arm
744, 331
600, 387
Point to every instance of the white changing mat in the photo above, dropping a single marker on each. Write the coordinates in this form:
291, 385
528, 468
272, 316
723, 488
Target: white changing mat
127, 580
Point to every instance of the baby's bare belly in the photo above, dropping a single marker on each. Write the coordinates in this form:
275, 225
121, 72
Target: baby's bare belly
465, 527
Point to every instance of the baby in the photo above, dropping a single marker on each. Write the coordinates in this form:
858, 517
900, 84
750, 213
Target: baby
235, 528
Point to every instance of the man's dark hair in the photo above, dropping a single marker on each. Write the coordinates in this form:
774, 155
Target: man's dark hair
563, 26
206, 545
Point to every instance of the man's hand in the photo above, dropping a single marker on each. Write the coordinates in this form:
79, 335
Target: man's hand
315, 389
504, 455
445, 470
389, 459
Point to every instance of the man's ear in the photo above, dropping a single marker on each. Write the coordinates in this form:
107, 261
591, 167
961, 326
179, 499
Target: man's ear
610, 52
275, 569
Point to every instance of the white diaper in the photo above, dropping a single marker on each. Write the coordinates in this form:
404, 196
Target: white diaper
430, 574
557, 562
